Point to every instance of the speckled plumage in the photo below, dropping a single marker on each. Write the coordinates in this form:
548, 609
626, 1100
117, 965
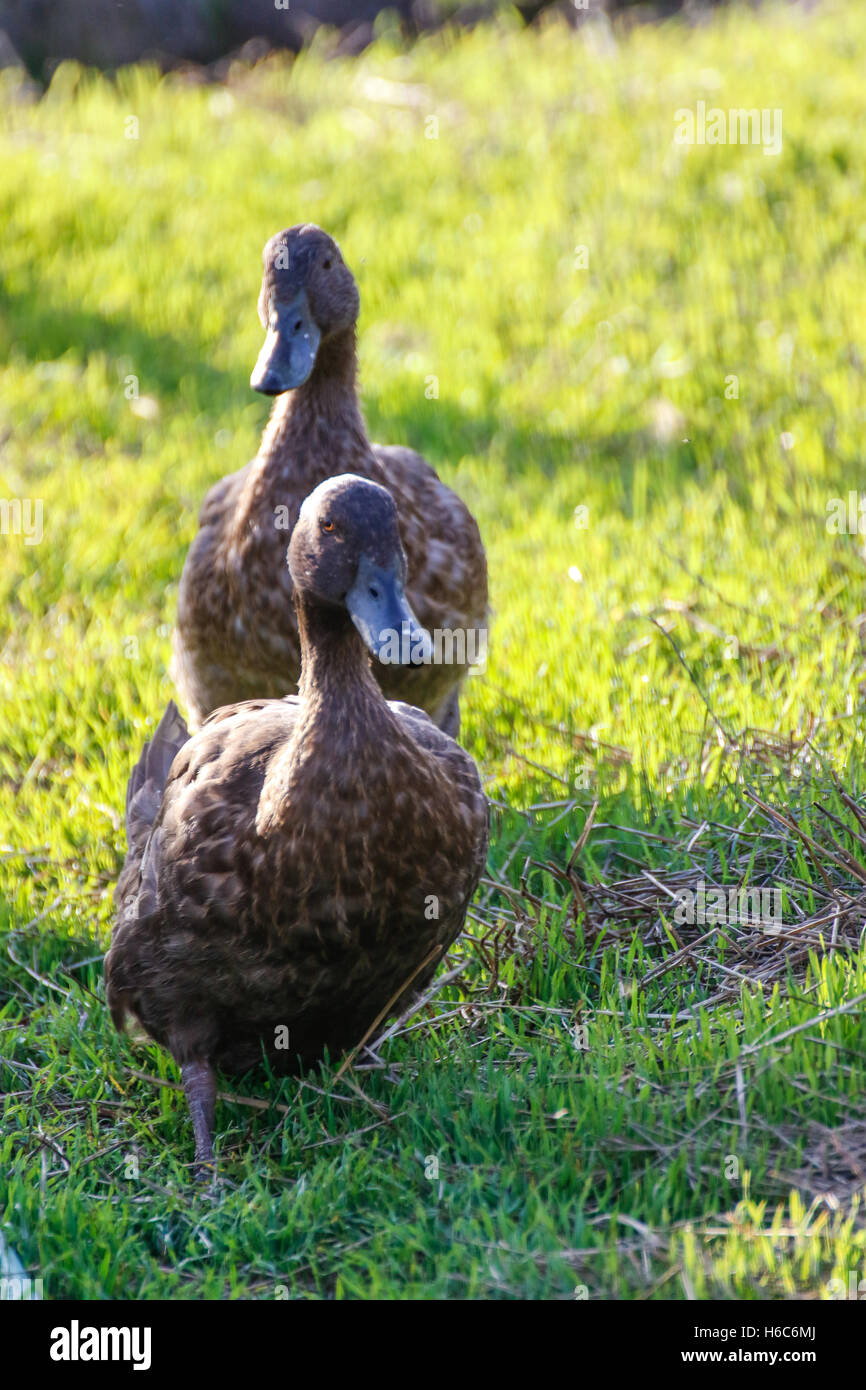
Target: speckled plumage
236, 636
296, 863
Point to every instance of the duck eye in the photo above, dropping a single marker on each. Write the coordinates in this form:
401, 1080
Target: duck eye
327, 525
327, 263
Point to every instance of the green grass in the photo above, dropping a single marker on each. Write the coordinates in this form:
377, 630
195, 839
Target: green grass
605, 387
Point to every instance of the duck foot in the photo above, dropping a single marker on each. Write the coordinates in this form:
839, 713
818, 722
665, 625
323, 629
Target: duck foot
199, 1084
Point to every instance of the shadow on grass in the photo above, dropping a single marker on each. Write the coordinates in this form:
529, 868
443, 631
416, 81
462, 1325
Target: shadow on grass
43, 332
443, 431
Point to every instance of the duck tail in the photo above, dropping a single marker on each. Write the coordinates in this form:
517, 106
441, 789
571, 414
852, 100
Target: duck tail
148, 778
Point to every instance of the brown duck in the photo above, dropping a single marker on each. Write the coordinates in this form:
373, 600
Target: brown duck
293, 864
236, 636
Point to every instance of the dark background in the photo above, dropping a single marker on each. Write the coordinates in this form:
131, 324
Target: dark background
111, 33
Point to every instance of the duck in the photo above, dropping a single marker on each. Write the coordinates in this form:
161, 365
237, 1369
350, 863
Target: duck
236, 637
297, 867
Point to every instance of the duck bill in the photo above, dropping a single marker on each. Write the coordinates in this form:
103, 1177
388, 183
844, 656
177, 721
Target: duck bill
380, 611
289, 352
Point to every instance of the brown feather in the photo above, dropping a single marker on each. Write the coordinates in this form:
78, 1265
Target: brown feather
305, 857
236, 636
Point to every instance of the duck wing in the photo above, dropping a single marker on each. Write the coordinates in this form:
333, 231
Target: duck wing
219, 501
135, 895
150, 774
467, 801
446, 557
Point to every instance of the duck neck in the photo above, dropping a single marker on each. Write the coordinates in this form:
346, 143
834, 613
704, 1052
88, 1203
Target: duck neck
343, 723
317, 430
336, 679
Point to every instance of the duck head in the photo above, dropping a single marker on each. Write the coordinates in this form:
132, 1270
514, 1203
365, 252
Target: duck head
345, 552
308, 294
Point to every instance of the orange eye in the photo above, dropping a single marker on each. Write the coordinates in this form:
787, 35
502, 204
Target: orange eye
327, 525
